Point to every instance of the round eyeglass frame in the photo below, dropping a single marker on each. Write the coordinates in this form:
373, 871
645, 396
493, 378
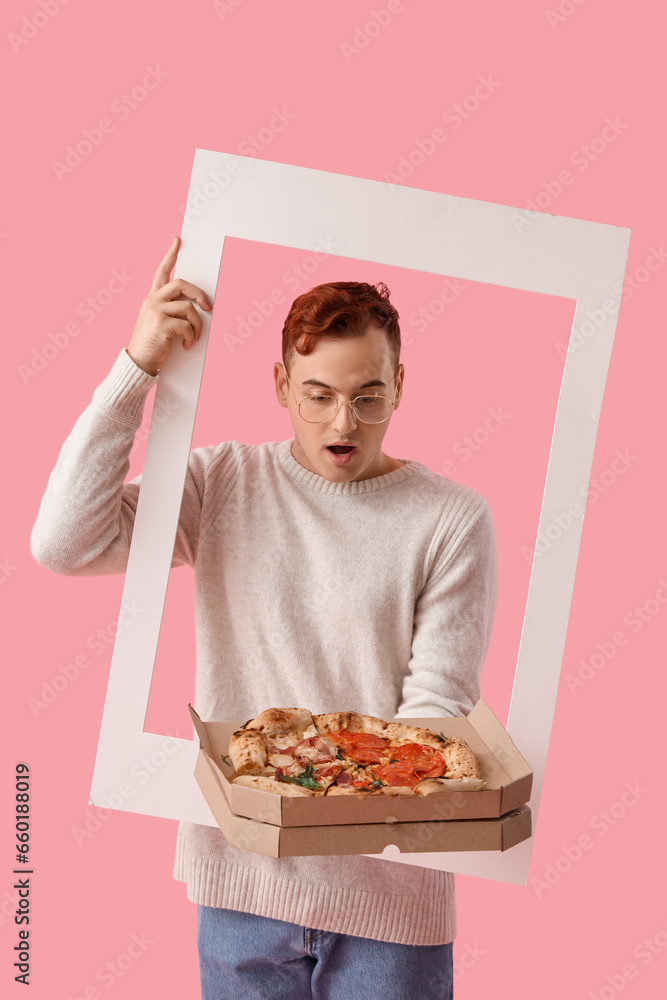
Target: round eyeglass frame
350, 402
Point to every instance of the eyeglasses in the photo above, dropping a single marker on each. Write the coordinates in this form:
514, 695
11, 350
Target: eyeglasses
369, 409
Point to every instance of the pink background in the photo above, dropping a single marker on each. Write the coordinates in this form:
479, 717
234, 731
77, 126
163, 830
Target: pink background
591, 919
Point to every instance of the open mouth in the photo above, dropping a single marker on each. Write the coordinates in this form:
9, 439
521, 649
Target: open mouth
341, 454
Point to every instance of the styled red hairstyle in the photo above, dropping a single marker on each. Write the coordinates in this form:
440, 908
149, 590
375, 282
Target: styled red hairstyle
339, 309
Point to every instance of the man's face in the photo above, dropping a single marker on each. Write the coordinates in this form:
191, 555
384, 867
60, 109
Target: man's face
344, 367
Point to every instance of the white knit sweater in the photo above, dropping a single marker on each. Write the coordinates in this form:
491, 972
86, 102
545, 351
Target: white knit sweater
376, 596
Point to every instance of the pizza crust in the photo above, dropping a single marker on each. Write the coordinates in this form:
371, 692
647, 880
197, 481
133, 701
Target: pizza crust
401, 733
363, 793
430, 785
266, 784
460, 760
352, 721
248, 750
280, 720
360, 793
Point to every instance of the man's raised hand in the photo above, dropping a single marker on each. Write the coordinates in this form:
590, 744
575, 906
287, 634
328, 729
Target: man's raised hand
166, 312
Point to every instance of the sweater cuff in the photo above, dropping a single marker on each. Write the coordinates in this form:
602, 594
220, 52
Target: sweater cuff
125, 388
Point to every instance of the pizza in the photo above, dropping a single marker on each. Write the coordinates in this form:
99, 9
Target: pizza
291, 752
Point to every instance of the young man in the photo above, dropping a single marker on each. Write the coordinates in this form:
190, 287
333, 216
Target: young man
329, 575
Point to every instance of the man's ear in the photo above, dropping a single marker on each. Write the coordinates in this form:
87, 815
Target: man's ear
280, 378
399, 384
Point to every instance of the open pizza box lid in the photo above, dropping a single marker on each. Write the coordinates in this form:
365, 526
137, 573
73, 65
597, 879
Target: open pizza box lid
301, 823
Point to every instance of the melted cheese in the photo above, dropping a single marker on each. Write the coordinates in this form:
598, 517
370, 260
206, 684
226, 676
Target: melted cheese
281, 759
284, 740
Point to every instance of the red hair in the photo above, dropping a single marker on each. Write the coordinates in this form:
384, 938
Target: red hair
339, 309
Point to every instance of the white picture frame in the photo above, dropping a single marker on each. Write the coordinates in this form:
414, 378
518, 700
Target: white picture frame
287, 205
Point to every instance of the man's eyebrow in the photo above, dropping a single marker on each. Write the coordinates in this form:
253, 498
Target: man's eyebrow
366, 385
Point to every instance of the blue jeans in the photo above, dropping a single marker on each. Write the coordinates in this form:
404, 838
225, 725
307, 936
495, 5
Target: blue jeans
246, 957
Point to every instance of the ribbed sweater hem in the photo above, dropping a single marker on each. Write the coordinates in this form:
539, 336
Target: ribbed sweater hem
400, 919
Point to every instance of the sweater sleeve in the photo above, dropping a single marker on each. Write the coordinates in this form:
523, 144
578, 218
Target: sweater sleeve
452, 625
85, 520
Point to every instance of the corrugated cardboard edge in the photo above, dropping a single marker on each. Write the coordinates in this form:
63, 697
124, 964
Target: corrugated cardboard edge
519, 829
269, 807
204, 741
261, 837
500, 743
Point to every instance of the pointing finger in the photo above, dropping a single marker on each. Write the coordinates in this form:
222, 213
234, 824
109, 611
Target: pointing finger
166, 265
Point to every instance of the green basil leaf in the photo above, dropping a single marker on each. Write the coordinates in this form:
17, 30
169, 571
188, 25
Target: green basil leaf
305, 779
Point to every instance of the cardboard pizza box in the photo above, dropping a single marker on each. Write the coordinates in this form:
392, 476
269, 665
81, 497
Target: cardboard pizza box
358, 838
508, 786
